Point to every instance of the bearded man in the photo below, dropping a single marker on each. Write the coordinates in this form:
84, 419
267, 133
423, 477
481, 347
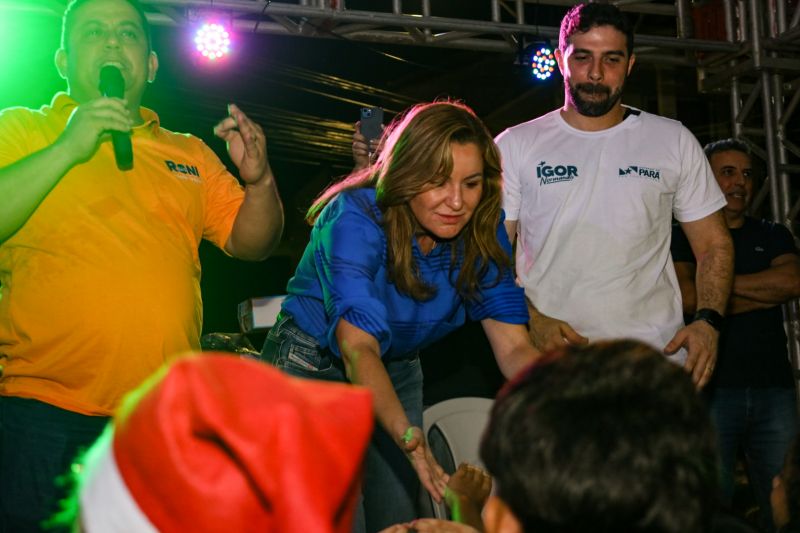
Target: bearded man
590, 190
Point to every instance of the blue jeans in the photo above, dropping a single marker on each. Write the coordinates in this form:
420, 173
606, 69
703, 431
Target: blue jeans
763, 423
391, 486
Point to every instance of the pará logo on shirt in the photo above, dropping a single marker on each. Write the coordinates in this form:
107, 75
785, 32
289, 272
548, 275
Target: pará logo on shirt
555, 173
641, 172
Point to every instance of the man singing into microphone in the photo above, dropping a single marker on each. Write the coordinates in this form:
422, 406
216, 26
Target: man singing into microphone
99, 266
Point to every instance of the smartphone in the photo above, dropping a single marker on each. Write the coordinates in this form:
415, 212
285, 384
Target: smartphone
371, 122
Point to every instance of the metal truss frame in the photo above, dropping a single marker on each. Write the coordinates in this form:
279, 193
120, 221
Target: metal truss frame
499, 27
763, 80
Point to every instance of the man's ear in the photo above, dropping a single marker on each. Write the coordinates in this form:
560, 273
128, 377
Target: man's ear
61, 62
152, 67
498, 518
631, 61
559, 59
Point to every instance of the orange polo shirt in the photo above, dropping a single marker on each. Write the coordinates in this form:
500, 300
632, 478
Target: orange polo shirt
102, 283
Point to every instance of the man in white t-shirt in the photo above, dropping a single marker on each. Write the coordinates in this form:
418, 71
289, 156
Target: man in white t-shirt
590, 190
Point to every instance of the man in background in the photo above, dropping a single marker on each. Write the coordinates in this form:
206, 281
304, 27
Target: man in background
752, 393
99, 267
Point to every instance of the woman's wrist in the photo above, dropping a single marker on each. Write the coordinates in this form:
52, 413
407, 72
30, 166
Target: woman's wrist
405, 433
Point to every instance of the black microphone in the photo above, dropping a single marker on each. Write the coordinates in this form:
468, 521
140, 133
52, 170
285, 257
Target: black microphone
112, 84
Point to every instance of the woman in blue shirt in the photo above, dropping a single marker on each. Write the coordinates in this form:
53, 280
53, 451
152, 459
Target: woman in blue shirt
400, 254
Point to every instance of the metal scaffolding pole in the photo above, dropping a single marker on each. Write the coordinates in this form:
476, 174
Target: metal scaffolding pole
397, 26
769, 53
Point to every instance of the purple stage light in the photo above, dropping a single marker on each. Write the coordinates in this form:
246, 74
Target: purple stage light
213, 41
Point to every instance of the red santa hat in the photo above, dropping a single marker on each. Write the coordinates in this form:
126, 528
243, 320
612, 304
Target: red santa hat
219, 443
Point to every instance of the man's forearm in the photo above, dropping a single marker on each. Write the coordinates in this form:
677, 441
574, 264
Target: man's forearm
25, 183
742, 304
715, 276
259, 223
776, 285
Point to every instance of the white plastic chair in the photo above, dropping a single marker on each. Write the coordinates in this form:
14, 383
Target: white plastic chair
460, 423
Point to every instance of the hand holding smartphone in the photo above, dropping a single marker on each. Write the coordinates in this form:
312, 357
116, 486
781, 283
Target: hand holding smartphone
371, 123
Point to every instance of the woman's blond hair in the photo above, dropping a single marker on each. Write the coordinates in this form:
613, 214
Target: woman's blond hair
416, 156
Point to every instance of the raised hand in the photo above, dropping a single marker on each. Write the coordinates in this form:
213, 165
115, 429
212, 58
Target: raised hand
247, 144
472, 483
363, 153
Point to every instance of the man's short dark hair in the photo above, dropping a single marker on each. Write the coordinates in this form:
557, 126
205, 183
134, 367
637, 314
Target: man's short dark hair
726, 145
584, 17
74, 5
606, 437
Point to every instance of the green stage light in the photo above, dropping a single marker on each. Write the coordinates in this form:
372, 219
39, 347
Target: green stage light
28, 39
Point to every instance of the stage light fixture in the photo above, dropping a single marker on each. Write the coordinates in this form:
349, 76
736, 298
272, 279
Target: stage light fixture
543, 63
213, 41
